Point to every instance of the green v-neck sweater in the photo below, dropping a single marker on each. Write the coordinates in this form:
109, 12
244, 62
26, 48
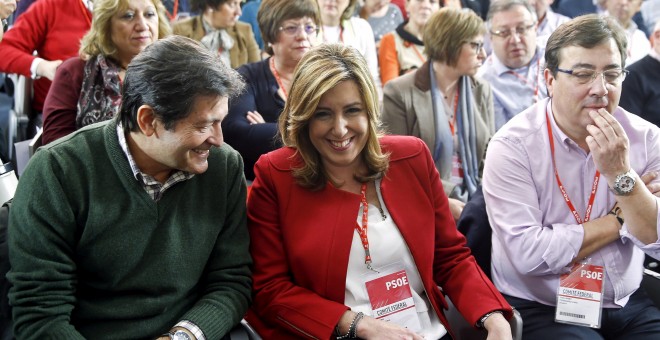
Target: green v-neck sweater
93, 256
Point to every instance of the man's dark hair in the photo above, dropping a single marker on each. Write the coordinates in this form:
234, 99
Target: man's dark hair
587, 31
169, 75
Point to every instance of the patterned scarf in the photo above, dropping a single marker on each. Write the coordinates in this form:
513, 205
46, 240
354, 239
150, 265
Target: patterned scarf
100, 95
218, 40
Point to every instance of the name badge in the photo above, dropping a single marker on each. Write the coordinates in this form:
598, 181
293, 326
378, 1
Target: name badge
391, 299
580, 296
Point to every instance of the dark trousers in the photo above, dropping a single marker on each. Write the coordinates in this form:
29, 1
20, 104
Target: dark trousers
638, 320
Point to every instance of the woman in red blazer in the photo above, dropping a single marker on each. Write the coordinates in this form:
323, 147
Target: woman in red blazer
326, 268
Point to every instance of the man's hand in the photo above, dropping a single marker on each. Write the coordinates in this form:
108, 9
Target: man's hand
608, 144
7, 7
47, 68
456, 208
647, 178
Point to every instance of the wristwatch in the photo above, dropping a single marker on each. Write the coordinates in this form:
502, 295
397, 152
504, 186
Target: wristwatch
179, 335
624, 183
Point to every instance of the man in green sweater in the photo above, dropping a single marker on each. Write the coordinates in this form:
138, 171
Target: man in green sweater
135, 228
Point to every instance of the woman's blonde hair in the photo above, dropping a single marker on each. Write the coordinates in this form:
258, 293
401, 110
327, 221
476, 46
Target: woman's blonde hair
446, 32
98, 39
320, 70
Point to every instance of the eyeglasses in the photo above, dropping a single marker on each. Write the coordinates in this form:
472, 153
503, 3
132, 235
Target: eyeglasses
520, 31
583, 76
476, 45
293, 30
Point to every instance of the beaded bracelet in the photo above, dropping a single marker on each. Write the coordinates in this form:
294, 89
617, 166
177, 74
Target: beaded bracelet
616, 212
352, 329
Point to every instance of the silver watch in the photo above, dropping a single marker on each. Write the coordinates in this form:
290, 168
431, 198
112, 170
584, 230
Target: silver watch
624, 183
179, 335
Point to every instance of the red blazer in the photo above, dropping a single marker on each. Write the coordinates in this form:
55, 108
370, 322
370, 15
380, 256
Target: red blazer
300, 243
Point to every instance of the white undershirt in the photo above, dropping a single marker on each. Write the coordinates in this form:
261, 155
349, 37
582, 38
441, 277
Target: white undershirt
386, 246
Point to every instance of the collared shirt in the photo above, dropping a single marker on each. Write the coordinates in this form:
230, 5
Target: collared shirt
514, 90
638, 45
550, 23
155, 189
535, 235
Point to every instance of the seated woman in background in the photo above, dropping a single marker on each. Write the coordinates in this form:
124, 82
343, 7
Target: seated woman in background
402, 51
289, 29
340, 211
87, 89
382, 16
340, 26
444, 105
217, 27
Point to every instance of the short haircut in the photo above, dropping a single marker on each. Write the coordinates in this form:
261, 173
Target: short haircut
505, 5
320, 70
587, 31
272, 13
200, 6
446, 32
169, 75
98, 40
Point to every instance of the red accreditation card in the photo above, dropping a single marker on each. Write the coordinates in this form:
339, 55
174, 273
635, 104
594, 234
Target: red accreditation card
580, 296
391, 300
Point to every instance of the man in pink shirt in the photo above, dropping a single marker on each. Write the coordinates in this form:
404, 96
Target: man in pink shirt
562, 187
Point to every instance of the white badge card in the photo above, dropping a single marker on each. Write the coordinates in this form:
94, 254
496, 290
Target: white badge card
580, 296
391, 298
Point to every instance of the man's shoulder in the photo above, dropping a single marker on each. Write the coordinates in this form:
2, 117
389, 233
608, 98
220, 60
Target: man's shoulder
525, 125
634, 125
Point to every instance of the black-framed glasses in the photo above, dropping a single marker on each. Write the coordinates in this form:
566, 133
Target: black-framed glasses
476, 45
293, 30
612, 76
519, 31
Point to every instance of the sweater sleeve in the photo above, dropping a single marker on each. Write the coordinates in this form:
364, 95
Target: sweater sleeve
27, 35
388, 59
42, 237
227, 282
60, 108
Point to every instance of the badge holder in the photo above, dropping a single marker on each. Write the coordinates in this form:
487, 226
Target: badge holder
580, 295
390, 296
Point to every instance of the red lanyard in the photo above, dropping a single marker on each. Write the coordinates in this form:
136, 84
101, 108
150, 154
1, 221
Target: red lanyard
524, 80
277, 76
175, 10
86, 12
362, 230
419, 55
594, 186
452, 123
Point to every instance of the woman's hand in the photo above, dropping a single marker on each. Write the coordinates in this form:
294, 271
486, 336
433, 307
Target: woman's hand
498, 328
370, 328
456, 208
254, 117
47, 68
7, 7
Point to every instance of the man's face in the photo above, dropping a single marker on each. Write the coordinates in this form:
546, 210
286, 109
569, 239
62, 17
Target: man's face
571, 99
187, 145
623, 10
514, 49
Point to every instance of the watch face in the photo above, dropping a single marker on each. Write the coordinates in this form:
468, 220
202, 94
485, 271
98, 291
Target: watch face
180, 335
624, 184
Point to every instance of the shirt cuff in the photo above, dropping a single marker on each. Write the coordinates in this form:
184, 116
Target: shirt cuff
33, 68
192, 328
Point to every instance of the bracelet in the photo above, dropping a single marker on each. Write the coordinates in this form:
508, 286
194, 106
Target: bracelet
480, 323
352, 329
616, 212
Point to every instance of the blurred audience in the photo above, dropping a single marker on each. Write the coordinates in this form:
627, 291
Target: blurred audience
340, 26
249, 16
87, 88
289, 29
515, 68
641, 89
217, 27
548, 20
650, 12
383, 17
402, 51
623, 11
341, 210
177, 9
52, 28
445, 105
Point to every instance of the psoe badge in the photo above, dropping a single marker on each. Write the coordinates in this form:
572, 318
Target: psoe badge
580, 296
